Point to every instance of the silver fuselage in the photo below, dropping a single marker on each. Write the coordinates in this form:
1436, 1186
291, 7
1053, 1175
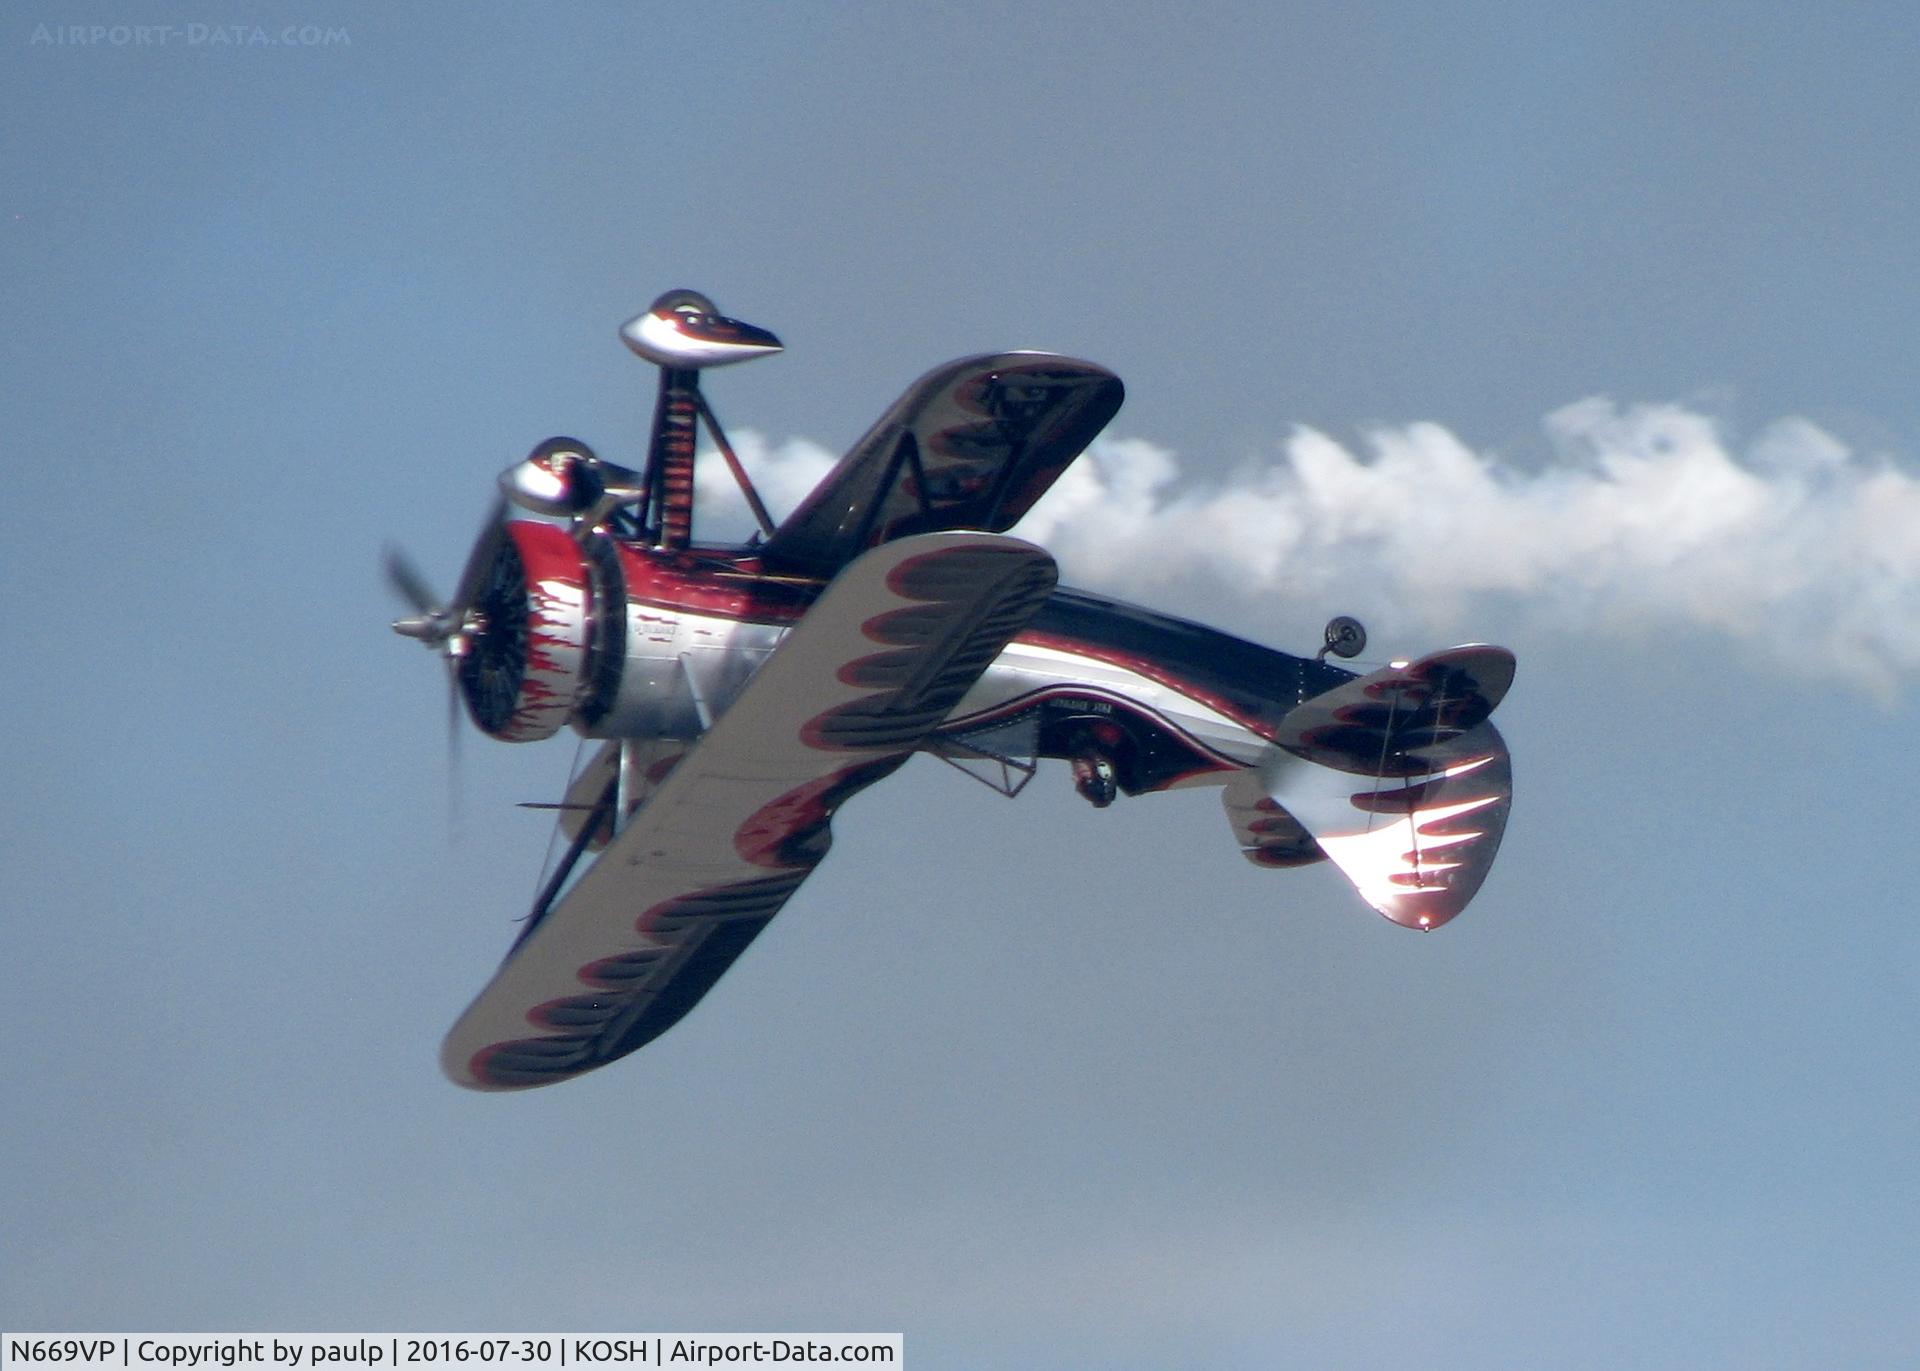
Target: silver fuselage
1201, 701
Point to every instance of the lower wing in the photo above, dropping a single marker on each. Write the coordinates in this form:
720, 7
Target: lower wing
730, 833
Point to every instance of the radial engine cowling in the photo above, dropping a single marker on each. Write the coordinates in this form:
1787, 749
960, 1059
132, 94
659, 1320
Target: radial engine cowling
526, 659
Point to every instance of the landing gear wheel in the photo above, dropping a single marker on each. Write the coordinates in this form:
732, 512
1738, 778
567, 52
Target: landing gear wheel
1093, 777
1345, 637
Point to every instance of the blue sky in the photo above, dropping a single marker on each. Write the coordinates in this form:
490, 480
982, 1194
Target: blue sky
1619, 303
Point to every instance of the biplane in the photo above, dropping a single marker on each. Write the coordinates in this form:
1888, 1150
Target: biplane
740, 694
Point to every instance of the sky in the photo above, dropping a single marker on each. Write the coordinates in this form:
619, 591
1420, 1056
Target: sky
1585, 332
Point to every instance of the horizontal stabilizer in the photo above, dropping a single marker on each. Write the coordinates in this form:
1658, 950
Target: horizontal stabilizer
1268, 835
1402, 720
1401, 780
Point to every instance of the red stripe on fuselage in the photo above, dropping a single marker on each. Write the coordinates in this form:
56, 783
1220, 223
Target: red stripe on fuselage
700, 581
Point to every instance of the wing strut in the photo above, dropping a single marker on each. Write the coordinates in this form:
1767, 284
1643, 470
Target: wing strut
544, 900
894, 463
971, 756
740, 476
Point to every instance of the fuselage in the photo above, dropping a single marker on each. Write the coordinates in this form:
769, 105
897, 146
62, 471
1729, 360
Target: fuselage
1159, 700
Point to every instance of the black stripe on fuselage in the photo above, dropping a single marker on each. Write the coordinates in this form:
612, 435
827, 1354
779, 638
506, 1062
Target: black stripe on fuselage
1260, 684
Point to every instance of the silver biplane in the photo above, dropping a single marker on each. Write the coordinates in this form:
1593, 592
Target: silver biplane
743, 693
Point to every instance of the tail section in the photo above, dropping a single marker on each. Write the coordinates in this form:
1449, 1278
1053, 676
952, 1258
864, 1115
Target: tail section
1397, 778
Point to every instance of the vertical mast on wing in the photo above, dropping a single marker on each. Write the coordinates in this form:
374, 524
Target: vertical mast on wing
681, 333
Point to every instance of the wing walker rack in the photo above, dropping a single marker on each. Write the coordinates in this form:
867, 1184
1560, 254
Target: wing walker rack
682, 333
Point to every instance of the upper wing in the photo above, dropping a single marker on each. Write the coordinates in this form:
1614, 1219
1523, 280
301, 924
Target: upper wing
971, 444
1398, 777
729, 834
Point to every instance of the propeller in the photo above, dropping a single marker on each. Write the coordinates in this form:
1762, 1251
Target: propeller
440, 626
432, 623
447, 628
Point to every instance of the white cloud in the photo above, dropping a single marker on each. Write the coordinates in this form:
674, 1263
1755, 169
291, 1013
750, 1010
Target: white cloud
782, 475
1644, 521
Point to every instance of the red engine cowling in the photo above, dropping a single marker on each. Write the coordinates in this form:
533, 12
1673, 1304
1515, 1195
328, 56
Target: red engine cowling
525, 668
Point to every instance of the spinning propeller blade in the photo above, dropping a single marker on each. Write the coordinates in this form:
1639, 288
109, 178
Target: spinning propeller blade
445, 627
432, 622
409, 584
